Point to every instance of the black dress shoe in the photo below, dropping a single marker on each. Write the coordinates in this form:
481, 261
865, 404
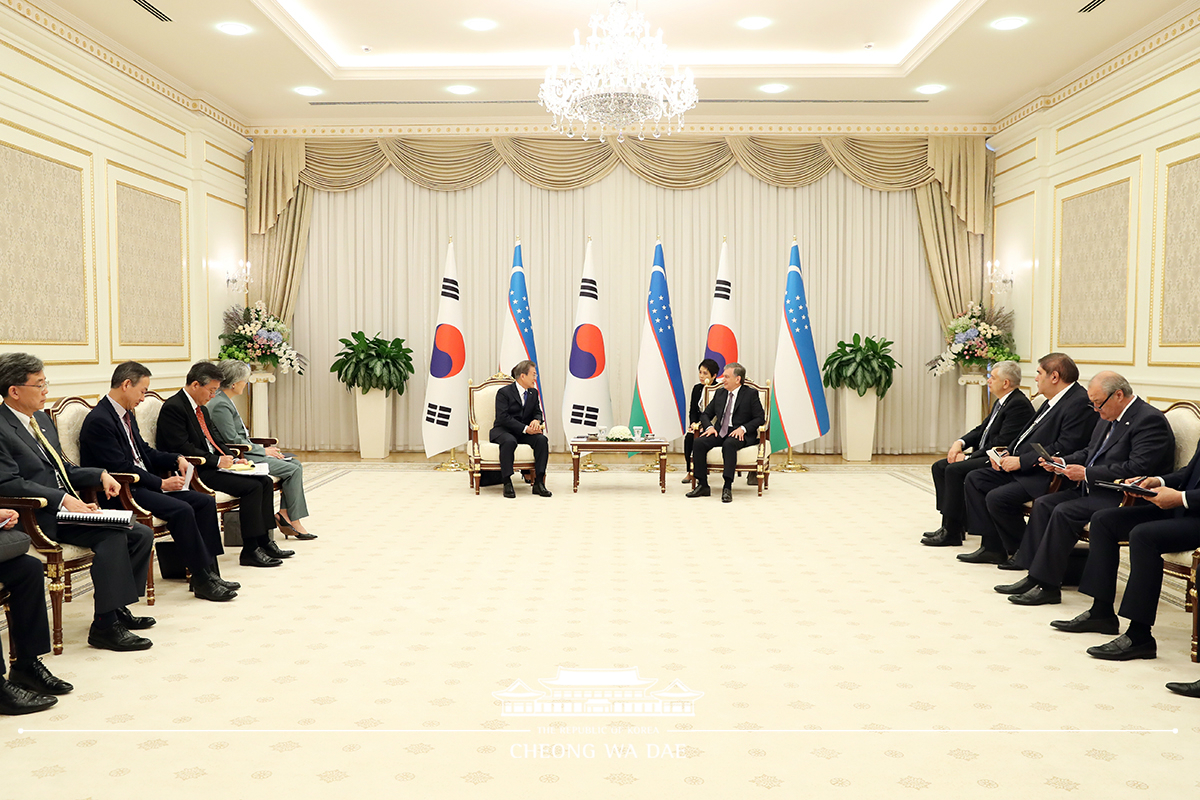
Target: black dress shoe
273, 550
207, 589
118, 638
982, 556
943, 539
687, 478
258, 558
699, 491
727, 495
1085, 623
1011, 564
933, 534
126, 618
1020, 587
216, 578
37, 678
1038, 596
539, 488
509, 491
16, 699
1186, 689
1122, 648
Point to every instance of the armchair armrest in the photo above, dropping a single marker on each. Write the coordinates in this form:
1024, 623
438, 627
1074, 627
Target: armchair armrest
238, 450
25, 506
127, 479
265, 441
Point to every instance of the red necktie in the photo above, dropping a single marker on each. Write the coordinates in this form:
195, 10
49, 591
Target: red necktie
137, 456
204, 427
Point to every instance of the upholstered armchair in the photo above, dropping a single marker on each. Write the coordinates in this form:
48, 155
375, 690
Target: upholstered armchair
482, 453
754, 460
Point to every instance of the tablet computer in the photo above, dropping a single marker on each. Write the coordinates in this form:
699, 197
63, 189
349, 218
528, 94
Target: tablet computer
1127, 488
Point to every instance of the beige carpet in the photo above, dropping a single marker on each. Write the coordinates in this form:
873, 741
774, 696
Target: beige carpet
835, 656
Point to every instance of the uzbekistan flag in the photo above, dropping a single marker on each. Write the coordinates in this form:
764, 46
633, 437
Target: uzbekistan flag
658, 398
445, 424
798, 411
516, 339
587, 404
721, 345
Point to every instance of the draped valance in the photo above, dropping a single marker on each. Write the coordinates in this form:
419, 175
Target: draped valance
277, 166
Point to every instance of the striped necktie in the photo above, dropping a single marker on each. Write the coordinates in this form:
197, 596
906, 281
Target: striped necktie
59, 467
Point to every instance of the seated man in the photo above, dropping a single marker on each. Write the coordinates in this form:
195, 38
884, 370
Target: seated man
1169, 523
519, 421
185, 427
1132, 437
1009, 415
110, 439
996, 497
30, 686
730, 422
32, 465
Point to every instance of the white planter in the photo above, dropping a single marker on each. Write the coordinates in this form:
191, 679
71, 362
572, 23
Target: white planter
858, 424
374, 423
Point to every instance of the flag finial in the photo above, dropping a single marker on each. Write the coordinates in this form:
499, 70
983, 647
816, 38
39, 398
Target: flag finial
723, 238
658, 238
589, 238
518, 238
793, 238
451, 240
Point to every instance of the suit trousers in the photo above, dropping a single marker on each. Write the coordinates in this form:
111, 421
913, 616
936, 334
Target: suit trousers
291, 484
121, 557
995, 509
256, 500
192, 520
689, 443
729, 452
948, 485
508, 446
1055, 524
23, 578
1151, 532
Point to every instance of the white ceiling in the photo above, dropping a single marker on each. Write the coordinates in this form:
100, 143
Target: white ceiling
418, 49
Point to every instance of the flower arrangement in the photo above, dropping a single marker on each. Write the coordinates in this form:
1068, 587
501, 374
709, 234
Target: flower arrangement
619, 433
977, 337
254, 335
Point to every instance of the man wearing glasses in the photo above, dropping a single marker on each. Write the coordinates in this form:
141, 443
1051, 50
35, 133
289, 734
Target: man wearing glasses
1131, 438
32, 465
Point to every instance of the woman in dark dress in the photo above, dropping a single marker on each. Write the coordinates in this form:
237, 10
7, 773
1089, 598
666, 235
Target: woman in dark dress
708, 376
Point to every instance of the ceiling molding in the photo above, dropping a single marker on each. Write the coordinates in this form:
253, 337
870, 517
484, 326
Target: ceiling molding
940, 32
732, 129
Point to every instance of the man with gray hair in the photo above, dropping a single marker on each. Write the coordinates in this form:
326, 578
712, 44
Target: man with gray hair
1131, 438
1009, 415
730, 422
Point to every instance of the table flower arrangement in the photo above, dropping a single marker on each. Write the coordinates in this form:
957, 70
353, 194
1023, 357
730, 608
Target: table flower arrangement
255, 336
619, 433
975, 339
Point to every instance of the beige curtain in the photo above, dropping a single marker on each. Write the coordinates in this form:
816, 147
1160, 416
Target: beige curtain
277, 257
273, 170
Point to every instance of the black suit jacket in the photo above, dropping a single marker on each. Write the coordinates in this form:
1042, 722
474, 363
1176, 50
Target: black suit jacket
103, 443
747, 412
511, 416
1064, 428
1141, 443
1187, 480
694, 404
179, 431
1011, 417
26, 471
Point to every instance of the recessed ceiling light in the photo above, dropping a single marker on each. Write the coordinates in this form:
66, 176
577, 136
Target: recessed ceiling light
307, 91
773, 88
1009, 23
931, 88
460, 89
234, 28
480, 24
754, 23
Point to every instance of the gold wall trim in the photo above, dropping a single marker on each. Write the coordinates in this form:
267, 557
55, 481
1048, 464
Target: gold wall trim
1006, 170
223, 200
71, 36
1166, 35
101, 92
225, 169
1155, 339
734, 129
234, 156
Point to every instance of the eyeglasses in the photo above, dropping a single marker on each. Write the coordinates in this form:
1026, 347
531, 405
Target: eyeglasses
44, 385
1099, 406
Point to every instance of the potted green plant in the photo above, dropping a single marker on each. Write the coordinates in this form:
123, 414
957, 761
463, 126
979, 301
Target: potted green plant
854, 369
378, 367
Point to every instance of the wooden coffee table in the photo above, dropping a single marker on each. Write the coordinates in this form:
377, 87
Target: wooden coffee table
581, 446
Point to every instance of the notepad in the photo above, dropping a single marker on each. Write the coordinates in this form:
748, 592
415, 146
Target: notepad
102, 517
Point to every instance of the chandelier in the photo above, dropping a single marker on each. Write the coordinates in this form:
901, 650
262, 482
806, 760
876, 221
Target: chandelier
615, 82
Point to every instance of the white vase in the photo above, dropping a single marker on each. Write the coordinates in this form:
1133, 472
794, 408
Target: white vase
374, 423
858, 424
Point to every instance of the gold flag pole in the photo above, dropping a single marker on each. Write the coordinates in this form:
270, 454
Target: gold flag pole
451, 464
591, 466
791, 465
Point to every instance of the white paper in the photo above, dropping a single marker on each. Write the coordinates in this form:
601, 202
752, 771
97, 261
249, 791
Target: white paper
259, 469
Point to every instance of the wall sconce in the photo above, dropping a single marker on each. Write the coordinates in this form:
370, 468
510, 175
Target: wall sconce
1000, 278
238, 277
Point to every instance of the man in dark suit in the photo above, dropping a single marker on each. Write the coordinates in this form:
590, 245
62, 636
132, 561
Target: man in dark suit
32, 465
29, 687
110, 439
1169, 523
519, 421
995, 498
184, 427
1009, 415
1131, 438
730, 422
